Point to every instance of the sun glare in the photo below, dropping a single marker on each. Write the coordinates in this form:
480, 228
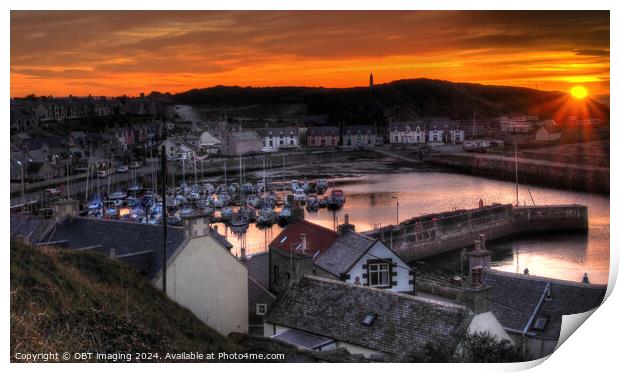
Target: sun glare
579, 92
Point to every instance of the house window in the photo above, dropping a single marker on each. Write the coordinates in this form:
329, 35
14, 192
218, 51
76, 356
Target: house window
379, 274
261, 309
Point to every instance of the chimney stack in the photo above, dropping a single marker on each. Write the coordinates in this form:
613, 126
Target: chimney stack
304, 243
346, 226
479, 261
196, 226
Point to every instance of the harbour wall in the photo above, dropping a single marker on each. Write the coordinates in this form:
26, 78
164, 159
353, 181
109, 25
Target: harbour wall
433, 234
539, 172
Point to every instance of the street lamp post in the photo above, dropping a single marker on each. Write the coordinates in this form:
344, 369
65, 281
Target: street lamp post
23, 185
397, 205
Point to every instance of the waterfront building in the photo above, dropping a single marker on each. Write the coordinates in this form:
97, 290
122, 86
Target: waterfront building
209, 144
457, 135
324, 136
518, 124
202, 274
435, 136
304, 247
548, 133
275, 139
179, 148
238, 143
322, 314
359, 136
407, 133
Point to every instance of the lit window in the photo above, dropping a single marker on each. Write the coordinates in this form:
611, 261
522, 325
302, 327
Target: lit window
261, 309
379, 274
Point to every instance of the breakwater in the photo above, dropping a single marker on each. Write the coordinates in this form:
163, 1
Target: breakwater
531, 171
432, 234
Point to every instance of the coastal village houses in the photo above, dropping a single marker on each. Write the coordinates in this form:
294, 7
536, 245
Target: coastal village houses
360, 136
202, 274
304, 247
278, 138
407, 133
326, 136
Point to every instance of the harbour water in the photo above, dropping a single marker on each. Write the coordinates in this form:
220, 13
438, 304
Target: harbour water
371, 200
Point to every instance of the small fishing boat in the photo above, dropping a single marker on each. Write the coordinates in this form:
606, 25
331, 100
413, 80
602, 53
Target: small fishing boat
336, 199
284, 216
247, 188
321, 186
117, 195
312, 203
299, 196
134, 189
226, 213
248, 212
254, 201
307, 187
266, 217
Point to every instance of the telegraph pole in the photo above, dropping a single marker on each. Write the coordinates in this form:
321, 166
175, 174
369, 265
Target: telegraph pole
164, 218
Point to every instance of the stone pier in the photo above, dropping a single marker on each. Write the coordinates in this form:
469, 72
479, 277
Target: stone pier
432, 234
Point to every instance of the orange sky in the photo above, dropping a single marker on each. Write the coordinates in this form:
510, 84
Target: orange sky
123, 52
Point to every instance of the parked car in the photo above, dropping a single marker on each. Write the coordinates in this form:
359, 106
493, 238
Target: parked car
136, 164
51, 192
122, 169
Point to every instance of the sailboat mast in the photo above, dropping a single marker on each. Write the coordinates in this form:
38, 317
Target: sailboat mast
516, 174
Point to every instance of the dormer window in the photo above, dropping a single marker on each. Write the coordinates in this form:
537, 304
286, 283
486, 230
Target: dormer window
540, 323
369, 319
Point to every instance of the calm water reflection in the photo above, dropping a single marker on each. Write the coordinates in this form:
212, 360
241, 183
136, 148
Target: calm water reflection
370, 203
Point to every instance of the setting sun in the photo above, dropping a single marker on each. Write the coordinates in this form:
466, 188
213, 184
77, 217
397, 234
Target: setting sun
579, 92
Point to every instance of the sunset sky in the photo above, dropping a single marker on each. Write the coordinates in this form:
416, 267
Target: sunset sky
122, 52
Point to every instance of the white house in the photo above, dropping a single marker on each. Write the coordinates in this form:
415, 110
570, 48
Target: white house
304, 247
434, 136
407, 133
457, 135
202, 274
275, 139
178, 148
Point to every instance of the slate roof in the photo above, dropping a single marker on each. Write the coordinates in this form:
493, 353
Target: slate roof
401, 126
278, 131
345, 252
403, 324
323, 131
515, 296
318, 238
125, 237
362, 129
28, 227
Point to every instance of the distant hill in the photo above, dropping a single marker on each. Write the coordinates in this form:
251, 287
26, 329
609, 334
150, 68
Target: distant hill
398, 100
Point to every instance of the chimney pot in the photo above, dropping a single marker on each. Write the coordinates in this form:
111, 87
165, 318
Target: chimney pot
346, 218
526, 271
303, 243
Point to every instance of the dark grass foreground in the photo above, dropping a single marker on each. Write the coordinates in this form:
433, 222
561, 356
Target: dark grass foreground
82, 302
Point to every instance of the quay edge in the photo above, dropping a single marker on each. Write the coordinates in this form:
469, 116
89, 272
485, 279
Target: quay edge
433, 234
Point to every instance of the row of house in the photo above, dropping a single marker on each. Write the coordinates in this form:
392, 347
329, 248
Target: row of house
30, 114
417, 132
